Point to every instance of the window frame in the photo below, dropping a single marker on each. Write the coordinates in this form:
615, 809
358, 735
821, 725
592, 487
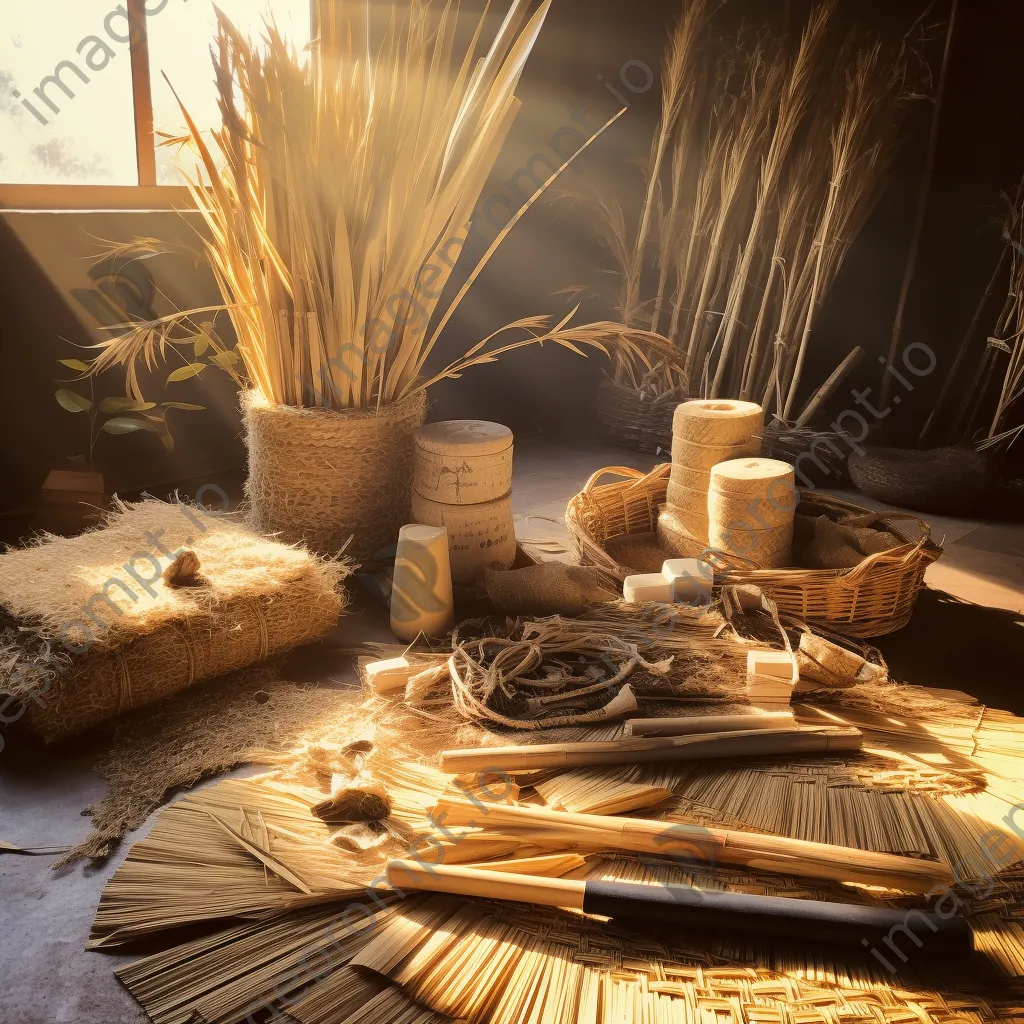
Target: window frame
147, 194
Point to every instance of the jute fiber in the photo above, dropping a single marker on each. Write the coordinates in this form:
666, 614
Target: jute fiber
331, 479
86, 639
550, 588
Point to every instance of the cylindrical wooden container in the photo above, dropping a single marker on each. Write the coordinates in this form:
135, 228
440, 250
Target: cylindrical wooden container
688, 499
480, 536
463, 462
421, 594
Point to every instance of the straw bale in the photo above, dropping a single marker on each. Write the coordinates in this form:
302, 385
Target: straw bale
92, 629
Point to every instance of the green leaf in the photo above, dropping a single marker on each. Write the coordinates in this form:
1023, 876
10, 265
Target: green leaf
184, 372
201, 345
167, 440
74, 364
125, 405
126, 425
228, 358
184, 405
71, 401
79, 460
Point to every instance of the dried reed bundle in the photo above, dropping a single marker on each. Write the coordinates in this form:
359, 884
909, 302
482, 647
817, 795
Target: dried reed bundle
766, 162
337, 198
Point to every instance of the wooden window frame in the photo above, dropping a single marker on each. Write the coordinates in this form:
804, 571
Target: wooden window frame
147, 194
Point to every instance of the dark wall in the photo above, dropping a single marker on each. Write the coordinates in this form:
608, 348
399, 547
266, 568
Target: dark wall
980, 155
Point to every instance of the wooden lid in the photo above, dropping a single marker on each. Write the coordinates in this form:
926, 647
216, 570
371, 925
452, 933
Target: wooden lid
464, 437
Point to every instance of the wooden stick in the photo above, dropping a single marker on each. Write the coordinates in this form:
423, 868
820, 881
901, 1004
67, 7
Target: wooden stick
710, 846
681, 905
709, 724
837, 376
645, 749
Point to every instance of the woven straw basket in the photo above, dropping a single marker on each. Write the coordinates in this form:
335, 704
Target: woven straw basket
873, 598
332, 480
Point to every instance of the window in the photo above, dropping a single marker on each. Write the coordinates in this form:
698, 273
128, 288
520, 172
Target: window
84, 98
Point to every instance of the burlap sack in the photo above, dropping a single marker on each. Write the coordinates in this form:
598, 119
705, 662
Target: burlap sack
820, 543
550, 588
90, 628
331, 479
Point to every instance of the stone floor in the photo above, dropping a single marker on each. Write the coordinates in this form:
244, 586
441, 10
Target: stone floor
968, 633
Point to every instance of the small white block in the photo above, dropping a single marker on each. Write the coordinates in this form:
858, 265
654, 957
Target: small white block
646, 587
777, 664
389, 675
691, 580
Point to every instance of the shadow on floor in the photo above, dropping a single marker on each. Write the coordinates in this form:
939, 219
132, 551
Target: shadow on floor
956, 645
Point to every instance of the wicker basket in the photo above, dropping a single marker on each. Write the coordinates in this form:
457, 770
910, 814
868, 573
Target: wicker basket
634, 419
873, 598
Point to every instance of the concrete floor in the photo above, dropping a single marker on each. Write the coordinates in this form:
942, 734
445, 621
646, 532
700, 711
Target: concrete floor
968, 633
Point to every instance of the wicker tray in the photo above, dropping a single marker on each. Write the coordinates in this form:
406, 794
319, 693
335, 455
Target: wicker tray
873, 598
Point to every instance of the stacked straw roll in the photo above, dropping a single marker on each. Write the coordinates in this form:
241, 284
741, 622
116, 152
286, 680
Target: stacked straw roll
462, 480
751, 505
704, 433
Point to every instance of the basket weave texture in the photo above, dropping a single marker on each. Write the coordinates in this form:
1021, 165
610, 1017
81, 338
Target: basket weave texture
332, 480
873, 598
636, 419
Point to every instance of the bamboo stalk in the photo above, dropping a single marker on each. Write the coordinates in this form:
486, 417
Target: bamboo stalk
709, 723
647, 749
694, 842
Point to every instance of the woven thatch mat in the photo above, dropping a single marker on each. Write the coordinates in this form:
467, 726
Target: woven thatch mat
92, 627
304, 924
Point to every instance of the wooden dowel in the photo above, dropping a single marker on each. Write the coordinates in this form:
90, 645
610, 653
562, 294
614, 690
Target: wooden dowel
711, 846
709, 723
647, 749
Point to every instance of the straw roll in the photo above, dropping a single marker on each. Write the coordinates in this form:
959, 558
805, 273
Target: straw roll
768, 549
717, 421
688, 499
703, 457
674, 537
753, 478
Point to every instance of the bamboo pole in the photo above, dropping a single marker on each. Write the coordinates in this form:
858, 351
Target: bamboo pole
780, 854
647, 749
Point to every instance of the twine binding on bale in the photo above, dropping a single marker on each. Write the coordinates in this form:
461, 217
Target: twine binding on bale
332, 480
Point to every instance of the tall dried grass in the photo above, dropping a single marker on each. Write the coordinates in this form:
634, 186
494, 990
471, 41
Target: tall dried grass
337, 198
768, 158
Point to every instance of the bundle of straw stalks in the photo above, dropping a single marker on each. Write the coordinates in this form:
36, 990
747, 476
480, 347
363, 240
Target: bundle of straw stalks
337, 197
769, 156
993, 401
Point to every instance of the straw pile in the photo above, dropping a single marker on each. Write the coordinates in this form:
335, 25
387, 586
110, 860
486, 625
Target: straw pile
309, 928
93, 629
771, 152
